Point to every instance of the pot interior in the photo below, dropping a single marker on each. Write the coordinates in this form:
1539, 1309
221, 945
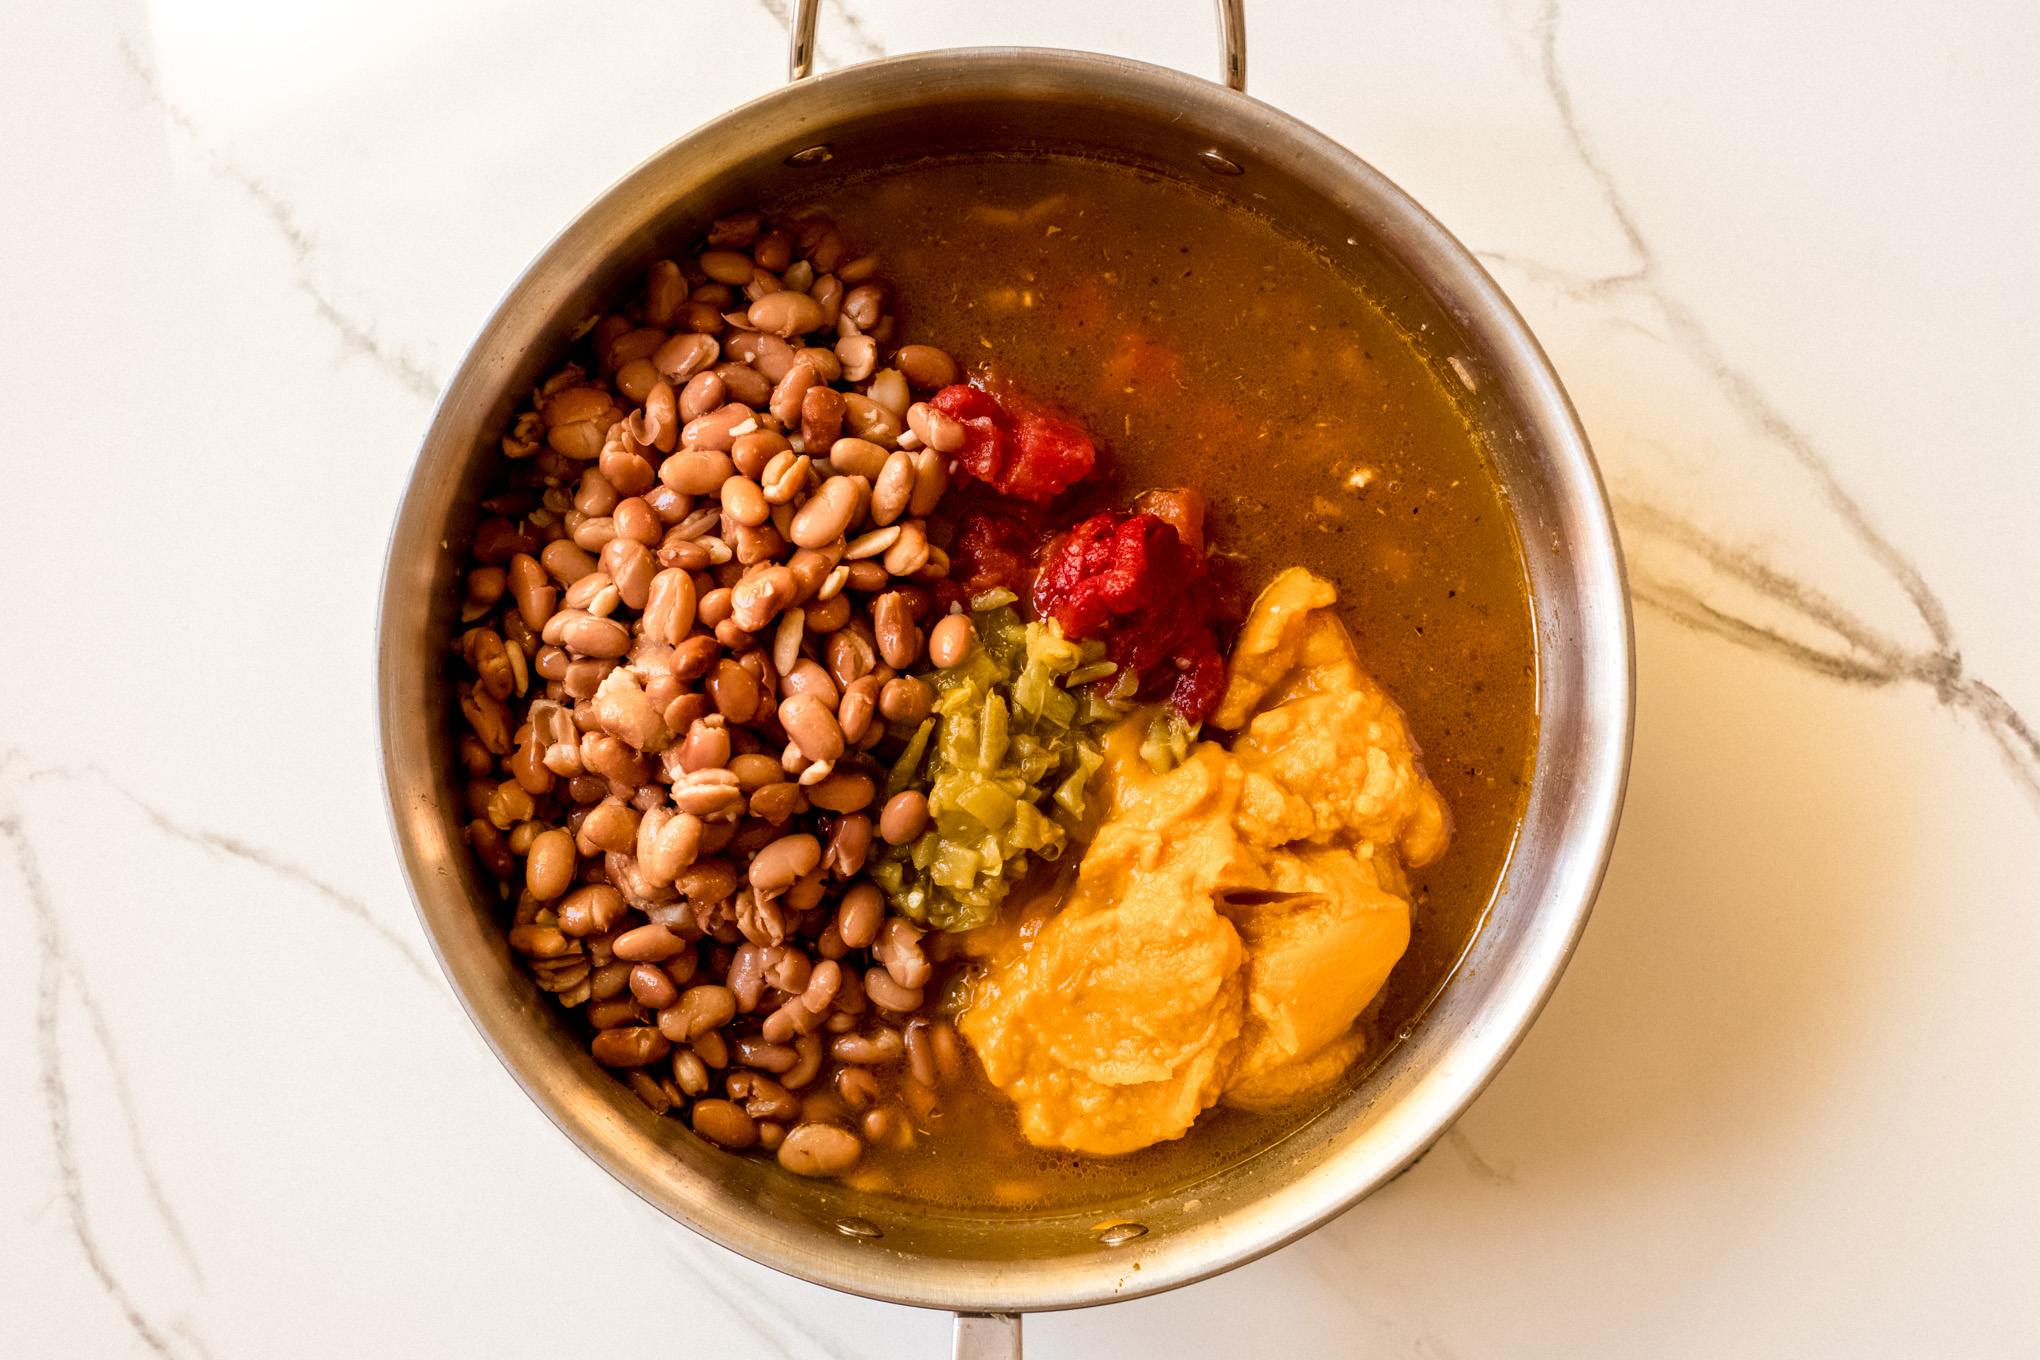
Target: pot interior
1009, 102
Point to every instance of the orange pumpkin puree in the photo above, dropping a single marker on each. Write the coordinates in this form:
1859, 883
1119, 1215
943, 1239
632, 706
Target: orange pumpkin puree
1231, 918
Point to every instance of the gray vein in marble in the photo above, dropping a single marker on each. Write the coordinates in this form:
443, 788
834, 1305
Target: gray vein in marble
358, 336
219, 843
62, 974
56, 964
1871, 658
832, 36
123, 1093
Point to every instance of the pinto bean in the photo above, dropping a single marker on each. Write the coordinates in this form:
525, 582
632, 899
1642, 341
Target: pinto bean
549, 864
865, 303
667, 843
820, 1150
766, 1057
789, 1022
898, 947
700, 1009
669, 607
785, 314
821, 417
881, 1046
951, 640
910, 552
697, 472
858, 458
647, 944
927, 368
867, 419
888, 995
631, 565
609, 825
905, 699
811, 1049
854, 712
724, 1124
598, 639
921, 1054
727, 266
684, 356
843, 791
899, 642
594, 910
703, 393
893, 489
858, 354
635, 1046
737, 231
757, 599
860, 914
744, 501
744, 383
720, 428
778, 865
931, 480
827, 513
652, 987
734, 691
905, 817
824, 979
811, 724
849, 847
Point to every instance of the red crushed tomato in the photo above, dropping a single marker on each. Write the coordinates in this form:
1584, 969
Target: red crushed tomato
997, 546
1130, 580
1014, 450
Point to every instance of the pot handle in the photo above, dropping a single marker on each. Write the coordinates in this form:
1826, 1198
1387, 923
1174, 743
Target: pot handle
1232, 38
987, 1336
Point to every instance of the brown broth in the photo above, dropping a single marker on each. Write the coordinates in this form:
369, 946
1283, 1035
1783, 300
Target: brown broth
1201, 346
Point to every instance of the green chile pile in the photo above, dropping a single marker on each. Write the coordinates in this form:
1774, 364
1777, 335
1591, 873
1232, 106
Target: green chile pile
697, 629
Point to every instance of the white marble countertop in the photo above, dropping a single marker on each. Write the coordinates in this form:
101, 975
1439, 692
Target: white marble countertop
1785, 1101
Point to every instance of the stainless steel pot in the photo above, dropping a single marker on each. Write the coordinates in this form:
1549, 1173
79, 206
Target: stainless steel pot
1007, 99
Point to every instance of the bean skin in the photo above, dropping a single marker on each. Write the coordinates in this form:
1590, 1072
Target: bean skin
813, 726
843, 791
735, 693
849, 846
905, 817
860, 914
888, 995
652, 987
905, 699
780, 864
951, 640
820, 1150
724, 1124
827, 514
632, 1047
699, 1010
926, 367
549, 867
648, 944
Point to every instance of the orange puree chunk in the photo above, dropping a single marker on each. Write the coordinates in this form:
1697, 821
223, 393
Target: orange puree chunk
1231, 918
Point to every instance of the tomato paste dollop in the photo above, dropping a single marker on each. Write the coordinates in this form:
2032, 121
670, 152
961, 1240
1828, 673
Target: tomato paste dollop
1130, 580
1015, 450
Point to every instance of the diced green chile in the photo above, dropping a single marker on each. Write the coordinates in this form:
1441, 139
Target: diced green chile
1005, 760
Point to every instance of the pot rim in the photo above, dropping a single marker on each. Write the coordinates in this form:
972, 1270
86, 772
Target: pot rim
1595, 771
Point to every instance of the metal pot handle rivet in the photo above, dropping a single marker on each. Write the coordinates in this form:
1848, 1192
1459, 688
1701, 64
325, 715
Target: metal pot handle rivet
1232, 39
